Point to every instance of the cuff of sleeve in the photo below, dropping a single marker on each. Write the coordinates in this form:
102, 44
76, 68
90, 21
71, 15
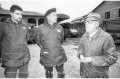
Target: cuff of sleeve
98, 61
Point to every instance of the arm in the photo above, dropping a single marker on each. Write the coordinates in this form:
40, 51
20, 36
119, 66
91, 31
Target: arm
110, 54
62, 35
80, 48
1, 37
28, 34
37, 36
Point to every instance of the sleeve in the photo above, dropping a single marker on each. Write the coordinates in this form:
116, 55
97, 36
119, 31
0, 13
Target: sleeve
62, 35
37, 36
80, 48
1, 37
109, 56
27, 35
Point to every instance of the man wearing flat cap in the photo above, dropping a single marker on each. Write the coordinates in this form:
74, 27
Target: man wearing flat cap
50, 36
96, 49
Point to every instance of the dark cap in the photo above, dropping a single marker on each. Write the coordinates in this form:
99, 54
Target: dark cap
15, 7
50, 11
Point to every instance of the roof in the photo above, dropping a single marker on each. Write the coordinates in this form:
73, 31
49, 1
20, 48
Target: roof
105, 6
80, 19
99, 5
28, 13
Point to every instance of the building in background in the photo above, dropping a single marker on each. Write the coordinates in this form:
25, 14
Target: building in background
110, 11
28, 16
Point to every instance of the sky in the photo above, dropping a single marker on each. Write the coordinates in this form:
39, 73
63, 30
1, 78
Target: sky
73, 8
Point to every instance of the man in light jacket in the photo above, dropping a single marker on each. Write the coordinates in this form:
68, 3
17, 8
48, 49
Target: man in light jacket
96, 49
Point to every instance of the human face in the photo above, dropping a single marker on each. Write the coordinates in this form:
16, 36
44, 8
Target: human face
91, 24
16, 15
52, 17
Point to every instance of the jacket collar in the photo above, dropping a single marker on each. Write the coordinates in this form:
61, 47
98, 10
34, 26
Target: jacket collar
97, 34
10, 21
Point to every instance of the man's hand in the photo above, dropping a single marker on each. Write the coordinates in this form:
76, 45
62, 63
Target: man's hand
82, 57
85, 59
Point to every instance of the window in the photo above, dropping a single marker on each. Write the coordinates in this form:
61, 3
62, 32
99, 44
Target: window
107, 15
32, 20
3, 19
119, 12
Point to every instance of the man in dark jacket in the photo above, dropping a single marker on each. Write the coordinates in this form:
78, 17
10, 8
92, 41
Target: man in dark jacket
96, 49
13, 38
49, 37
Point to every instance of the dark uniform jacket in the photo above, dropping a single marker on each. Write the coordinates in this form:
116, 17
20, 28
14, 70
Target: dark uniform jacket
13, 39
102, 50
50, 39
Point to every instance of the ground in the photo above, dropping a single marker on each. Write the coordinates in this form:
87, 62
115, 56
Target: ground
36, 70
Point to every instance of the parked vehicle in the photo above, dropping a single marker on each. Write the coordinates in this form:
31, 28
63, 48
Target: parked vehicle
74, 32
66, 29
112, 27
31, 31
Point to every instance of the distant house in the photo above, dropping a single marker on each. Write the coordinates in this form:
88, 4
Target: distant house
110, 10
28, 16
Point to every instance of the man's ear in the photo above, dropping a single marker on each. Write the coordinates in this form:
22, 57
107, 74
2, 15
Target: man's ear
97, 23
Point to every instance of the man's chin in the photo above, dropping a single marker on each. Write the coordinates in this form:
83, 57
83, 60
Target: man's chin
55, 21
88, 31
19, 20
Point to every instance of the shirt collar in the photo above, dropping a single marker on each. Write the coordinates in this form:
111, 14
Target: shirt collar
10, 21
20, 22
51, 26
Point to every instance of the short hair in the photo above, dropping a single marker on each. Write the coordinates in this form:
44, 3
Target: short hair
15, 7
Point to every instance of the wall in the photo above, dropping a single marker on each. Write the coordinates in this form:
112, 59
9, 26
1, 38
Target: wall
112, 6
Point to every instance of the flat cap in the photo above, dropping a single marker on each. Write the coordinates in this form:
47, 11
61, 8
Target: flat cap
50, 11
95, 15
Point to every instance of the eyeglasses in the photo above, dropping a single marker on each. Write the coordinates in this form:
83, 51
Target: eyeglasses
89, 21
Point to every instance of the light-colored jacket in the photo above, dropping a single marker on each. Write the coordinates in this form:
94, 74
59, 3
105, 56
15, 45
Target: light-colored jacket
102, 50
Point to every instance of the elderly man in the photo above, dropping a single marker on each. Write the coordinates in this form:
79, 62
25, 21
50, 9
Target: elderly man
50, 36
96, 49
13, 41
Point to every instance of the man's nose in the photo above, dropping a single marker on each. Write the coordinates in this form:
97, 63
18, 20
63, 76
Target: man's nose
20, 16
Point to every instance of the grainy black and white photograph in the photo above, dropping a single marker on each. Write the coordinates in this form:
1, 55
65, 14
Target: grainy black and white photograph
59, 39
